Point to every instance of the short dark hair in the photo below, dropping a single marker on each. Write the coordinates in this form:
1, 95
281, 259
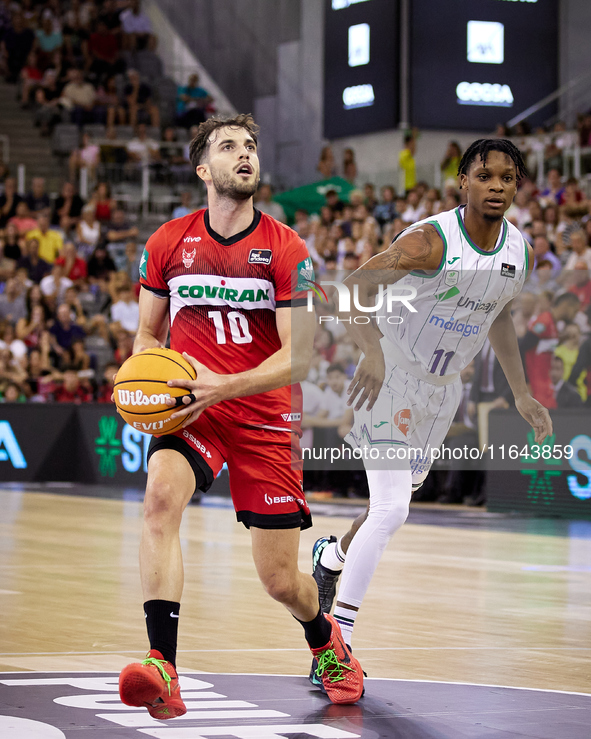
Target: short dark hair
335, 368
481, 149
200, 144
566, 298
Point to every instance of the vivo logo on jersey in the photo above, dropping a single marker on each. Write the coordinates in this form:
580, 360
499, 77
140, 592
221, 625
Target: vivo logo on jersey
386, 295
191, 239
137, 398
475, 305
466, 329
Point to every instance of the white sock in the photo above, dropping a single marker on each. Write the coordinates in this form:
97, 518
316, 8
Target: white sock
333, 557
345, 617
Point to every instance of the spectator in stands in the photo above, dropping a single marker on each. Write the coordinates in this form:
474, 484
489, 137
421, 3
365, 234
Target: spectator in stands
519, 211
102, 53
579, 283
87, 157
137, 28
414, 210
72, 389
72, 300
79, 97
67, 208
554, 190
99, 342
568, 347
349, 166
47, 101
109, 15
8, 201
138, 101
326, 163
15, 47
117, 233
192, 102
264, 202
542, 252
50, 241
36, 268
450, 163
541, 340
124, 348
12, 302
113, 152
48, 39
105, 389
185, 207
64, 331
103, 203
31, 328
579, 251
133, 257
334, 203
100, 264
109, 107
37, 199
88, 231
572, 194
54, 285
23, 220
142, 149
76, 37
564, 395
125, 311
31, 77
11, 243
74, 266
406, 161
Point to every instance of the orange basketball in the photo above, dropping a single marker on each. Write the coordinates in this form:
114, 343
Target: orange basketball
141, 391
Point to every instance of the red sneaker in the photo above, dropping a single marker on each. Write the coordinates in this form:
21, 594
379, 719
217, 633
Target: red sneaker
154, 684
340, 672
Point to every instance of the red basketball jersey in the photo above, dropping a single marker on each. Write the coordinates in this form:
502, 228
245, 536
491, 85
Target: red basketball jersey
223, 295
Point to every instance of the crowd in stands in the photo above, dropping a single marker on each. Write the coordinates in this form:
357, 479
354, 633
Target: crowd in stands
69, 266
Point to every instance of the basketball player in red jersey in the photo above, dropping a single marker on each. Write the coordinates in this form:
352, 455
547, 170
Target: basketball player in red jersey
231, 284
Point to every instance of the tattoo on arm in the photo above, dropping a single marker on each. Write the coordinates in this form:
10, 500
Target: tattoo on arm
420, 249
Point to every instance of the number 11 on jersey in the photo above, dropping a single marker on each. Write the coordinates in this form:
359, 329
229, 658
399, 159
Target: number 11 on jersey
437, 355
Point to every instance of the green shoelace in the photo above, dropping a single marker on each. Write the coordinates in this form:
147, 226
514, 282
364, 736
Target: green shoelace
159, 663
328, 662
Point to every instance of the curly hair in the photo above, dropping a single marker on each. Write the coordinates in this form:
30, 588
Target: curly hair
481, 149
200, 144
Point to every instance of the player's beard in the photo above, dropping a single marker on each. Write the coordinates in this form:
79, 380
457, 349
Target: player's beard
226, 187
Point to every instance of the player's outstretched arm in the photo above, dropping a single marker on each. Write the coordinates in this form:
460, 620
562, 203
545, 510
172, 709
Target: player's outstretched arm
420, 249
503, 340
153, 326
290, 364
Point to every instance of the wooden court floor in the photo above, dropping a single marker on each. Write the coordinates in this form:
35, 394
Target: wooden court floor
446, 604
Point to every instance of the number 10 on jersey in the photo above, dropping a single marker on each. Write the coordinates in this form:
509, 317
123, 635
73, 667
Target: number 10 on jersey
237, 326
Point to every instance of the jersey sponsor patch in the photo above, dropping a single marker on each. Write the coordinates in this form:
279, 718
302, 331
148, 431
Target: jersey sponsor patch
144, 265
402, 420
305, 272
508, 270
291, 416
260, 256
452, 277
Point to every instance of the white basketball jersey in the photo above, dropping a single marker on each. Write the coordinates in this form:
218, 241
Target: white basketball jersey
455, 305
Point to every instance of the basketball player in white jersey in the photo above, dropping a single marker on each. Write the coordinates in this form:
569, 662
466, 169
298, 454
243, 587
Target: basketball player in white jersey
466, 266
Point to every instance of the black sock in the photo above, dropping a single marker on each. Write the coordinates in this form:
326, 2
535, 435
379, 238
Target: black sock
162, 622
317, 631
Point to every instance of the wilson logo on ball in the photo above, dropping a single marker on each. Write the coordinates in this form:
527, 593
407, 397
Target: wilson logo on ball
137, 397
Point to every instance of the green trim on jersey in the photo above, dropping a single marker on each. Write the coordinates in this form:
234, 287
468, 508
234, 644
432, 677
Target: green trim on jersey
422, 274
473, 245
526, 257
